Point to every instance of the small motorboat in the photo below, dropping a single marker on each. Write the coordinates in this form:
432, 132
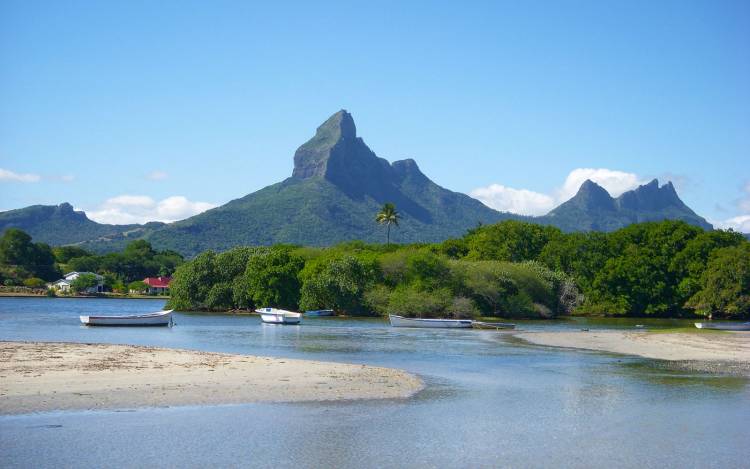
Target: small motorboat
319, 312
492, 325
724, 326
278, 316
159, 318
400, 321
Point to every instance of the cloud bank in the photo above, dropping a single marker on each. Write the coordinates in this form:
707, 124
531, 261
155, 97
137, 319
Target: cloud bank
126, 209
740, 222
527, 202
6, 175
507, 199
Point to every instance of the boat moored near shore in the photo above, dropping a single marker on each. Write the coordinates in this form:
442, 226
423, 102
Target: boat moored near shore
400, 321
724, 326
278, 316
319, 313
159, 318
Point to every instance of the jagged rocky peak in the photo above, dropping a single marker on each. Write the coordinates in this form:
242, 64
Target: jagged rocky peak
311, 159
650, 196
592, 195
65, 207
66, 210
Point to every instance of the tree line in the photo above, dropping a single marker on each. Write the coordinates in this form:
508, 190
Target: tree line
24, 262
509, 269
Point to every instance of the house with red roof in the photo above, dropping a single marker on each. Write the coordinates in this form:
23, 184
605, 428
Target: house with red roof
157, 285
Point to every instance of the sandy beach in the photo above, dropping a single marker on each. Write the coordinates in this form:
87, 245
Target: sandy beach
45, 376
731, 348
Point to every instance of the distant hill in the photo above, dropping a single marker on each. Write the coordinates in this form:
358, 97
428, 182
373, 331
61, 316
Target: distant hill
593, 209
337, 186
60, 224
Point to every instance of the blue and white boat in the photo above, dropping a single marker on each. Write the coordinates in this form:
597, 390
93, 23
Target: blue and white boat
319, 312
724, 326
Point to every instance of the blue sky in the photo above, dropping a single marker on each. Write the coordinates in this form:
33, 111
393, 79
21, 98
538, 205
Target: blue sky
137, 110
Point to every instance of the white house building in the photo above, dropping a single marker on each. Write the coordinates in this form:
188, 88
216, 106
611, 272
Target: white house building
64, 283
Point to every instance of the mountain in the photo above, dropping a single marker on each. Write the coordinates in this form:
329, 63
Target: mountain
593, 209
337, 186
61, 224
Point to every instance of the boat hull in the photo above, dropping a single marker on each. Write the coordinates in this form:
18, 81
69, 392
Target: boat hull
278, 319
319, 313
723, 326
162, 318
400, 321
492, 325
278, 316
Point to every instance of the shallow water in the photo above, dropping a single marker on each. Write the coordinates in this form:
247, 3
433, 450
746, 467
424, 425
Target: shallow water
489, 401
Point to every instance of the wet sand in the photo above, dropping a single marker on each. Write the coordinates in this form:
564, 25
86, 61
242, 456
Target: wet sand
43, 376
726, 350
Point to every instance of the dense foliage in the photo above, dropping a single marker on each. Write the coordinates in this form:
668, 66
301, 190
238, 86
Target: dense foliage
510, 269
650, 268
23, 262
20, 259
357, 278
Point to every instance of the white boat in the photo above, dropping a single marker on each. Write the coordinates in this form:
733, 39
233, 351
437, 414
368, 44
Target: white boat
278, 316
400, 321
492, 325
160, 318
319, 312
724, 326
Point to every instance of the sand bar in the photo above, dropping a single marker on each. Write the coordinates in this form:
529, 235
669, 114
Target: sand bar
731, 347
44, 376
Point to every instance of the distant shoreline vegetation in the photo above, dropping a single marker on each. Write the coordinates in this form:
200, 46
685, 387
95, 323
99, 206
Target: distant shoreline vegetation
27, 267
510, 269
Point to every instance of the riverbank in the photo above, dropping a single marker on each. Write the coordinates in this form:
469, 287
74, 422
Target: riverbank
719, 352
45, 376
43, 294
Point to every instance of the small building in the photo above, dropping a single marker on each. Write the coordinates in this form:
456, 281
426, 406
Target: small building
64, 283
157, 285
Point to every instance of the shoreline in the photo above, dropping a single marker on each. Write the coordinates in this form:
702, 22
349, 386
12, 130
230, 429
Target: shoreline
720, 352
78, 297
59, 376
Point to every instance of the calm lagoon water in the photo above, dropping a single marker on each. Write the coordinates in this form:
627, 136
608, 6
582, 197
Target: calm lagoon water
490, 401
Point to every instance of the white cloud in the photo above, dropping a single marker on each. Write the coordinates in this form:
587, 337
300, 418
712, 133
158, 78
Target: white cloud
126, 209
739, 223
157, 175
616, 182
526, 202
507, 199
6, 175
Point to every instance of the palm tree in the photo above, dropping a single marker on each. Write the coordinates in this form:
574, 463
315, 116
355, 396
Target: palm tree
388, 216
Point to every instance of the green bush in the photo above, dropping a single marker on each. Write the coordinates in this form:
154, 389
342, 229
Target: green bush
34, 282
337, 283
411, 301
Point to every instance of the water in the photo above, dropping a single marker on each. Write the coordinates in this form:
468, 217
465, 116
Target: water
489, 401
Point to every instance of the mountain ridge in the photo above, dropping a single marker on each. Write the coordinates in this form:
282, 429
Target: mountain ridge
594, 209
337, 185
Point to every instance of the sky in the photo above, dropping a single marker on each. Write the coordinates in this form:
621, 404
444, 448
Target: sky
142, 110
